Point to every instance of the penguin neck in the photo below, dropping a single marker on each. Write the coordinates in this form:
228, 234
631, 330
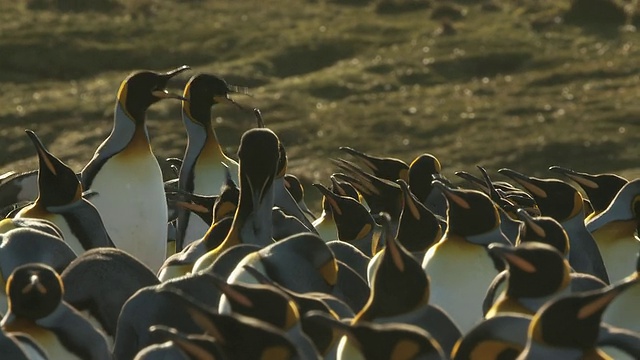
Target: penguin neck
128, 132
252, 223
200, 132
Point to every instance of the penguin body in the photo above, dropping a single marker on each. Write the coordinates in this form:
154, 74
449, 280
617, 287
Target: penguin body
22, 246
126, 176
459, 268
101, 280
60, 201
36, 308
205, 166
563, 202
614, 228
252, 222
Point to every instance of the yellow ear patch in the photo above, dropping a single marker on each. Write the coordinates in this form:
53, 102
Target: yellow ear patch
194, 350
491, 349
293, 315
275, 352
584, 182
596, 305
329, 272
395, 254
225, 208
334, 205
457, 199
192, 206
236, 295
534, 189
405, 349
209, 327
520, 263
404, 175
363, 232
536, 229
45, 157
412, 207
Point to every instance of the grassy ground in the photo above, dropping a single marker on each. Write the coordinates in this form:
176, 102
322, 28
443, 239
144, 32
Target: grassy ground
515, 86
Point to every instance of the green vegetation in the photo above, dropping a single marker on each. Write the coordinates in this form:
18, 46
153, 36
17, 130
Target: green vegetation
496, 83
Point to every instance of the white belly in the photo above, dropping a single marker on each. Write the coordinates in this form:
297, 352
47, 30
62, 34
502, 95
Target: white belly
208, 177
618, 248
195, 230
62, 224
49, 342
460, 274
132, 203
624, 311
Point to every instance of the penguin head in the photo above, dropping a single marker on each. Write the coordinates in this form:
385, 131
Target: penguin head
555, 198
34, 291
57, 183
384, 167
353, 220
344, 188
260, 301
418, 227
203, 91
293, 185
421, 171
600, 188
535, 269
574, 321
259, 156
399, 284
142, 89
470, 212
543, 229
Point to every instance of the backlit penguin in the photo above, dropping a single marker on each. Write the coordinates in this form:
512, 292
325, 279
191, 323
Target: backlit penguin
125, 173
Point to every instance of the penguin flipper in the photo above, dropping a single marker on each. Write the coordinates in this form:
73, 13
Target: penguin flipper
492, 290
622, 339
88, 174
585, 282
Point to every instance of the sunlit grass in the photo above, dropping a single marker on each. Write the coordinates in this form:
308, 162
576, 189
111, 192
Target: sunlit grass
513, 87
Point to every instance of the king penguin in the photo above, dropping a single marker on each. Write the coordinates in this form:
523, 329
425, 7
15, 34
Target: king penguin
36, 308
563, 202
204, 165
614, 228
600, 188
252, 222
126, 175
60, 201
569, 327
458, 265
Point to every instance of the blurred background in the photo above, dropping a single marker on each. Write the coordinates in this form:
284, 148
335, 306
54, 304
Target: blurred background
523, 84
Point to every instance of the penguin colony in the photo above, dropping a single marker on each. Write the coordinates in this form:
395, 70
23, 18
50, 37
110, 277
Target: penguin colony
226, 261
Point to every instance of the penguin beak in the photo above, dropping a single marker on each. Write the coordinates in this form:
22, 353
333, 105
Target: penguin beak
580, 178
163, 93
330, 198
227, 100
508, 254
43, 155
531, 224
450, 194
524, 180
171, 73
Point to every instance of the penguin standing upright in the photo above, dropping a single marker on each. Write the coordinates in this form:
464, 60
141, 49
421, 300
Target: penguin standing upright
204, 166
126, 176
60, 201
458, 265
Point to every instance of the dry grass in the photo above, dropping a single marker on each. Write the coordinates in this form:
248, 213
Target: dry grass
514, 86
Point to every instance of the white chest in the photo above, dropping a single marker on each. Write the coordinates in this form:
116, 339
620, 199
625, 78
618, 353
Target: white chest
132, 203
